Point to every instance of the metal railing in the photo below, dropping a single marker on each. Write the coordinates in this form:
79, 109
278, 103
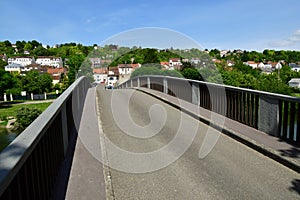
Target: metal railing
29, 165
275, 114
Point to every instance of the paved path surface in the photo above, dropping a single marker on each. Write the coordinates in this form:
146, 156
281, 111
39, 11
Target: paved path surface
230, 171
86, 179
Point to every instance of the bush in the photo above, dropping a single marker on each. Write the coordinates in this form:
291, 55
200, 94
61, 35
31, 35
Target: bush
25, 116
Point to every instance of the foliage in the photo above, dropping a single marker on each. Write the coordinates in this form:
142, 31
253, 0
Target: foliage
10, 110
36, 83
25, 116
6, 81
74, 63
3, 63
192, 73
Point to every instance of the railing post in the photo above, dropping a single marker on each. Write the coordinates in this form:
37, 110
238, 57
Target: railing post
195, 93
65, 127
138, 82
148, 83
268, 115
165, 83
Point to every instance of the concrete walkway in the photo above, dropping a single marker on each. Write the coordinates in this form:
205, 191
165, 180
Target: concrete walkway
86, 178
273, 147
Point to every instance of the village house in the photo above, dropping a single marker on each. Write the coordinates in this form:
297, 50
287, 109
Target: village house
100, 75
23, 61
52, 61
14, 68
175, 63
127, 68
96, 62
164, 65
195, 61
56, 74
295, 82
3, 57
252, 64
294, 67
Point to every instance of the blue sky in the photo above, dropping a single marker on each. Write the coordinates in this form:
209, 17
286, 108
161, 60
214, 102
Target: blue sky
223, 24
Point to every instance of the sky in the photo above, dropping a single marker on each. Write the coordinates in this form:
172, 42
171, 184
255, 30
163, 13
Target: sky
223, 24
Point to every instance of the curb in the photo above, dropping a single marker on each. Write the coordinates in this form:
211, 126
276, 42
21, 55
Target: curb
266, 151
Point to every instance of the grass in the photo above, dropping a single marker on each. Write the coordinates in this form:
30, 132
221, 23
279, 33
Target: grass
296, 94
9, 110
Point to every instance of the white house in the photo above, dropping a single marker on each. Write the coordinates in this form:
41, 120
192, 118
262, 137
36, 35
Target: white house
100, 75
14, 68
294, 67
23, 61
252, 64
96, 62
127, 68
174, 62
294, 82
52, 61
195, 61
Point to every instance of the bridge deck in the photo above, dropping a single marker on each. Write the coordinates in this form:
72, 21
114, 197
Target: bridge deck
231, 170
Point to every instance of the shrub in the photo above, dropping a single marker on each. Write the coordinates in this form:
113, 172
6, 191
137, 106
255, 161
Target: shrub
25, 116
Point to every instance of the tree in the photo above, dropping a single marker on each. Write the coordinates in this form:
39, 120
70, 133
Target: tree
146, 71
3, 64
6, 81
28, 47
35, 83
74, 63
192, 73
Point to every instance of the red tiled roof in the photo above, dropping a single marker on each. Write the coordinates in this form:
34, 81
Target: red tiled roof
164, 63
55, 70
175, 59
100, 71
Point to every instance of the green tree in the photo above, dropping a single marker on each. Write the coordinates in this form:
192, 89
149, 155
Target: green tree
192, 73
6, 81
146, 71
36, 83
74, 63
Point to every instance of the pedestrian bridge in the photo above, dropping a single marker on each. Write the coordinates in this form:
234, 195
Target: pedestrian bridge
157, 137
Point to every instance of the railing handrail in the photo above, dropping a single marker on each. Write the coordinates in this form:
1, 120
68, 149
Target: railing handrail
257, 92
16, 153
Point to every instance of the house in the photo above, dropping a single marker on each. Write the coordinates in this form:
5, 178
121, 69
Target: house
96, 62
50, 61
3, 57
230, 63
127, 68
195, 61
14, 68
23, 61
252, 64
100, 75
185, 60
295, 82
216, 60
294, 67
224, 52
261, 65
164, 65
113, 71
56, 74
174, 62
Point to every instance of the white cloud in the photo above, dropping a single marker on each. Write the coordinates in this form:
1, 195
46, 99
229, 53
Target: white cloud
293, 40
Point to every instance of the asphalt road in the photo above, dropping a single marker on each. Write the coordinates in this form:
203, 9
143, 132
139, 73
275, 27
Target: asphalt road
230, 171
